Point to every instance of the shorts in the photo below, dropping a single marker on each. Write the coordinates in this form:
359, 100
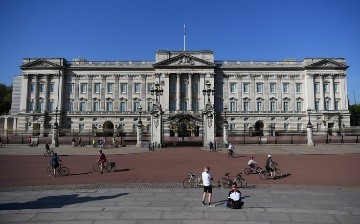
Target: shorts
208, 189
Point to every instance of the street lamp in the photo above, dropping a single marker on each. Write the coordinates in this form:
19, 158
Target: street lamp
56, 130
157, 91
308, 112
208, 91
56, 111
140, 112
225, 109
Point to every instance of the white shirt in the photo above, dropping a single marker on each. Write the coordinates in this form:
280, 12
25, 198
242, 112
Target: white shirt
235, 196
206, 178
251, 162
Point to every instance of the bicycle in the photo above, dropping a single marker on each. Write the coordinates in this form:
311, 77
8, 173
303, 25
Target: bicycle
49, 152
254, 170
61, 170
265, 175
107, 166
227, 182
191, 181
230, 153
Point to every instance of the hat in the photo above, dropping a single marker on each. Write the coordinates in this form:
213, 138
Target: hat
207, 168
269, 156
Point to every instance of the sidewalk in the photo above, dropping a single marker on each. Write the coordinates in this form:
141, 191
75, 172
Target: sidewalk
177, 205
243, 149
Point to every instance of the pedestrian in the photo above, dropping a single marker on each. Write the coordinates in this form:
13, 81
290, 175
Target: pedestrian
211, 145
207, 178
73, 142
79, 142
94, 143
114, 142
234, 198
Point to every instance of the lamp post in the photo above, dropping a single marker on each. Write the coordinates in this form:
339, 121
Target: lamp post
157, 92
55, 138
309, 126
139, 128
225, 126
208, 91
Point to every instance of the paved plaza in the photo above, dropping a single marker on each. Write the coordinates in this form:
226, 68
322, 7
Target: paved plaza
143, 203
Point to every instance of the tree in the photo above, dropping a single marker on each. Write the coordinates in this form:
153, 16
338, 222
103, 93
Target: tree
5, 98
354, 114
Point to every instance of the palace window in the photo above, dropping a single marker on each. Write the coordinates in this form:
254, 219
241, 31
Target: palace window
246, 87
286, 106
327, 105
42, 87
246, 106
232, 87
337, 103
285, 87
109, 106
272, 87
273, 106
298, 106
317, 87
136, 105
69, 106
150, 86
150, 106
123, 87
233, 106
317, 105
298, 87
259, 106
81, 127
51, 106
42, 105
97, 87
82, 106
83, 88
259, 87
137, 87
52, 87
326, 87
336, 87
110, 87
32, 87
96, 106
122, 106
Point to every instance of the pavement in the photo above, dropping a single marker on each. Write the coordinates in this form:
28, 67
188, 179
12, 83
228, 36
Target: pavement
139, 204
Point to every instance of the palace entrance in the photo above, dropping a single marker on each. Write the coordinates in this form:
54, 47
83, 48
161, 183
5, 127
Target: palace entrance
108, 128
184, 130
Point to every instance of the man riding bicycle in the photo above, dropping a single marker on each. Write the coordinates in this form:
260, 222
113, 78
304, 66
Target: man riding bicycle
101, 160
252, 163
270, 166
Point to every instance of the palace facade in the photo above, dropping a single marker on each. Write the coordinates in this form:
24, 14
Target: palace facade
255, 97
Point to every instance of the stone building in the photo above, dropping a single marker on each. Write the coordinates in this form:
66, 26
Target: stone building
103, 97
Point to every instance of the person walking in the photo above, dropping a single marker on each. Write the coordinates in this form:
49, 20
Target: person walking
207, 178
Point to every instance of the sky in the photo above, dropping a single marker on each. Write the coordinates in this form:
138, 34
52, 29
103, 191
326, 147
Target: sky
118, 30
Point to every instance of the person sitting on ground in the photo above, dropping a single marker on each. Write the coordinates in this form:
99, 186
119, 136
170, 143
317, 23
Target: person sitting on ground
234, 198
55, 163
252, 163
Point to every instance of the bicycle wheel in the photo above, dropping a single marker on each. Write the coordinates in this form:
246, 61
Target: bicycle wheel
278, 173
241, 183
263, 175
247, 171
64, 171
96, 167
258, 169
188, 183
50, 171
223, 183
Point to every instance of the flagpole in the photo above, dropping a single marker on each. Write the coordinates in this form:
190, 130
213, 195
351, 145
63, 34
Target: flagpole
184, 37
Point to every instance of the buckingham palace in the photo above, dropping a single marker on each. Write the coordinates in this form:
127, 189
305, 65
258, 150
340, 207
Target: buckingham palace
182, 87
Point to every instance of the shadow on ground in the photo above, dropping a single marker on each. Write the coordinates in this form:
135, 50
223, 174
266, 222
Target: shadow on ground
55, 202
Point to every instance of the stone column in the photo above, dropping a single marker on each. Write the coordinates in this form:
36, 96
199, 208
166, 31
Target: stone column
5, 124
139, 134
25, 93
156, 123
310, 141
15, 124
209, 125
116, 93
46, 93
226, 135
36, 93
103, 93
190, 93
178, 92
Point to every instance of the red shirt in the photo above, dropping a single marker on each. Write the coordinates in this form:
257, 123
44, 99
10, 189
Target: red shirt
102, 157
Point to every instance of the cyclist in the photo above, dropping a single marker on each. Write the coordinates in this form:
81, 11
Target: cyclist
47, 146
252, 163
234, 198
101, 160
231, 149
206, 178
270, 166
55, 163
